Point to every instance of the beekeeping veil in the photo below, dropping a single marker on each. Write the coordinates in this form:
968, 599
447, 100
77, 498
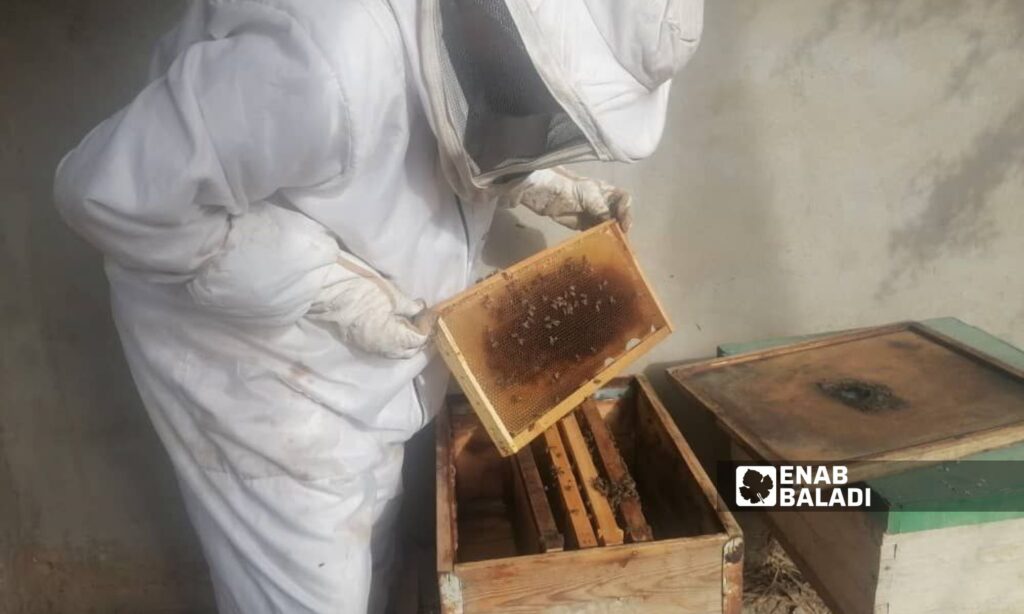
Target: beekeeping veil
517, 85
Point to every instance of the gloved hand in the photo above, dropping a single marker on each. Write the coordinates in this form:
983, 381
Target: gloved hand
571, 200
369, 312
278, 265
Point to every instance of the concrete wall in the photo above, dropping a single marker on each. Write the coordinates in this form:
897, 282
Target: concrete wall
837, 164
828, 164
90, 518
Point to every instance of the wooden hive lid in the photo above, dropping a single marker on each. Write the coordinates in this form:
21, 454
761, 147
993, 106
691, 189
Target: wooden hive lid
898, 392
529, 343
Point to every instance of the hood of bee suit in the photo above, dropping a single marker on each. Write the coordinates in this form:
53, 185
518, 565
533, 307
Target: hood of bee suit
512, 86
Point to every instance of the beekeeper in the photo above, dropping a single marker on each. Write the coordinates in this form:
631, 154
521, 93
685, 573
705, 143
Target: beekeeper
298, 181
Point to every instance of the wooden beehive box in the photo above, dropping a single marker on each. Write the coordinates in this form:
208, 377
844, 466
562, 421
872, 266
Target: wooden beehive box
938, 548
898, 392
497, 553
531, 342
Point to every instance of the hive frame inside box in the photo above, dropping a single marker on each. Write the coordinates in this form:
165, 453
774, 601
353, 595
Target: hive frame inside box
688, 574
459, 365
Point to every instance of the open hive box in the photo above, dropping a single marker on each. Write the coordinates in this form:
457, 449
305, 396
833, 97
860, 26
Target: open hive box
951, 538
530, 343
607, 511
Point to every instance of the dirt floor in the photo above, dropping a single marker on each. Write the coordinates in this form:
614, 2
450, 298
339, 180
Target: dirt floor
773, 585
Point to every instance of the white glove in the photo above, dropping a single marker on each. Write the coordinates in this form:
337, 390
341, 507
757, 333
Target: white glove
278, 265
571, 200
369, 312
270, 268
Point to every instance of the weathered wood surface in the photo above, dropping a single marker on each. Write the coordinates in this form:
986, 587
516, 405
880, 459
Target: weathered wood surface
486, 531
605, 524
949, 399
670, 457
578, 530
679, 576
837, 551
447, 532
537, 517
920, 562
631, 509
691, 574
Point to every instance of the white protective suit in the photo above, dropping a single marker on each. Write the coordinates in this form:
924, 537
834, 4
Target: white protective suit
268, 203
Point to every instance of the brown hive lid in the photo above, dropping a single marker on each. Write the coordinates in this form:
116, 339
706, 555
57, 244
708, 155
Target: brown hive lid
898, 392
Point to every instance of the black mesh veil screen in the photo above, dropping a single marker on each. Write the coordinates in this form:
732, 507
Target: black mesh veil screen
502, 108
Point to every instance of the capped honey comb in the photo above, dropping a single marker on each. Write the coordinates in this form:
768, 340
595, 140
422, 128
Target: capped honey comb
528, 344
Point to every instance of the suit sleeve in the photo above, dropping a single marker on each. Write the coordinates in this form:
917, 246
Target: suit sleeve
233, 120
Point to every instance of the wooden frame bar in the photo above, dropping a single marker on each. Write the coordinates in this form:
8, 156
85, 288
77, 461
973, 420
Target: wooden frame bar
447, 342
637, 528
578, 530
605, 524
533, 507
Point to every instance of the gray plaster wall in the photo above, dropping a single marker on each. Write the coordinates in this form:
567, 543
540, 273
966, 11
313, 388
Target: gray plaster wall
827, 164
90, 517
834, 164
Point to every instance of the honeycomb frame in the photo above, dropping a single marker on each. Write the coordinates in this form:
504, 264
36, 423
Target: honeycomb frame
529, 343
